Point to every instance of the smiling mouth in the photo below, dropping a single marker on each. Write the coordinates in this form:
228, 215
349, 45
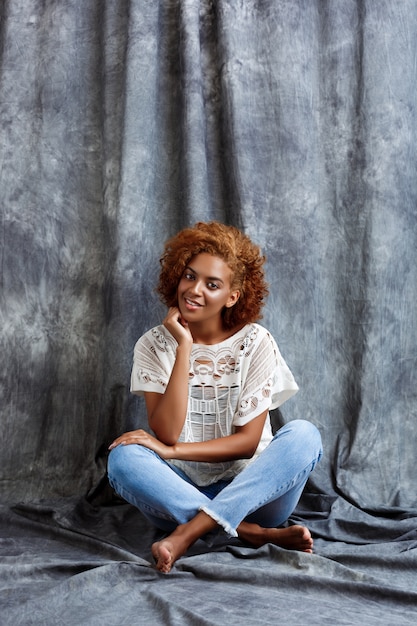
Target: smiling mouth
191, 302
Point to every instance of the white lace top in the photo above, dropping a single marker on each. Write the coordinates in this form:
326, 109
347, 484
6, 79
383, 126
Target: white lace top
230, 384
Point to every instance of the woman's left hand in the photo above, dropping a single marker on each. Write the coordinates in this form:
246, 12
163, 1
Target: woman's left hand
143, 438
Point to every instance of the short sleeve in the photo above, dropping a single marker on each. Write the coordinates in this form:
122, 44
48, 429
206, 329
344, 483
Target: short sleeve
153, 359
267, 379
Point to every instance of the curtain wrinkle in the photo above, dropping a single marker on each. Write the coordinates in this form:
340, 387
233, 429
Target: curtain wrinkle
374, 440
194, 180
113, 25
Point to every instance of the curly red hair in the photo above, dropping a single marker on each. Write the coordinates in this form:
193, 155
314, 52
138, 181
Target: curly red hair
236, 249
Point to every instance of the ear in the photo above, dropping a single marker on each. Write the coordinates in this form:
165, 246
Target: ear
233, 298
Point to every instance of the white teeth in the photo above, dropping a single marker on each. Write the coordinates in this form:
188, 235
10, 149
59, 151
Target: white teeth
191, 302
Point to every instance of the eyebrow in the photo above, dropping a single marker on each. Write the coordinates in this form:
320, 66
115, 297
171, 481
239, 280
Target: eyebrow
219, 280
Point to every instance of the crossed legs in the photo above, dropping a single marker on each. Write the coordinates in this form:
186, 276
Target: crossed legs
251, 506
168, 550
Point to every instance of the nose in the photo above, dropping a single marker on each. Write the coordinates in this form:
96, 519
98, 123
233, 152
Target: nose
196, 287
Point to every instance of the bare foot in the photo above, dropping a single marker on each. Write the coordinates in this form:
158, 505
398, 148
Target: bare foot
167, 551
162, 553
292, 538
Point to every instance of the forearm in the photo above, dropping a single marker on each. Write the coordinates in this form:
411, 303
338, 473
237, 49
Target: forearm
241, 444
166, 416
229, 448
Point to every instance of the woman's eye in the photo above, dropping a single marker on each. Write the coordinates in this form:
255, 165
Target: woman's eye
189, 276
212, 286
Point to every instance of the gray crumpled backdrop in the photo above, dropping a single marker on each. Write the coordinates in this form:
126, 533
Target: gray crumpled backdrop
122, 121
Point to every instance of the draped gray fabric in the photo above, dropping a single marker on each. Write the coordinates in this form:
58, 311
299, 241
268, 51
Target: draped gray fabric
122, 121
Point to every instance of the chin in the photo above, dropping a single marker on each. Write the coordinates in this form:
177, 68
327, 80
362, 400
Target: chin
184, 313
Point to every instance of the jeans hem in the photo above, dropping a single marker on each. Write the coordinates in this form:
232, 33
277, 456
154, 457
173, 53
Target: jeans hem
225, 525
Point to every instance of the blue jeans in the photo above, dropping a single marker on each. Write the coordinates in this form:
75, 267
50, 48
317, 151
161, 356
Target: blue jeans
266, 492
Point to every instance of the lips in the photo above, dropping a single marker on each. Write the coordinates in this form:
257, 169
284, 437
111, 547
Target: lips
191, 303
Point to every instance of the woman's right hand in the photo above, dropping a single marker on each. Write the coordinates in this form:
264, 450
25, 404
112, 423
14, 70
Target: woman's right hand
167, 411
178, 327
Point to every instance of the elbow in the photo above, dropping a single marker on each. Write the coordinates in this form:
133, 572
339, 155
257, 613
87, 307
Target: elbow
167, 438
248, 452
165, 433
249, 455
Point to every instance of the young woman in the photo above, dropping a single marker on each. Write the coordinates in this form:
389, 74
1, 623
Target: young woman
209, 375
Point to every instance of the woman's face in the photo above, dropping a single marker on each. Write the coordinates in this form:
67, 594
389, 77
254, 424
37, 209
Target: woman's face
205, 289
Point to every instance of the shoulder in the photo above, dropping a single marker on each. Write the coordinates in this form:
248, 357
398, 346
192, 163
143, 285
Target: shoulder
254, 330
255, 335
157, 339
